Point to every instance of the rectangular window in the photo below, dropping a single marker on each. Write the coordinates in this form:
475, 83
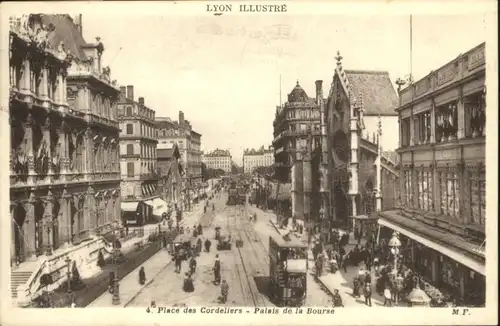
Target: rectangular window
477, 193
446, 122
130, 129
475, 118
408, 189
422, 125
425, 193
130, 149
450, 193
130, 170
405, 132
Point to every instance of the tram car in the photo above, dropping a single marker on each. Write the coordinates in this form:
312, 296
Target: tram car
288, 271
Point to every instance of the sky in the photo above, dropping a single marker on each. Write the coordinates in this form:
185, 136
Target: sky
224, 71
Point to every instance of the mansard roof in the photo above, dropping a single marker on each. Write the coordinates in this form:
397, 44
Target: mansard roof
379, 95
67, 32
298, 95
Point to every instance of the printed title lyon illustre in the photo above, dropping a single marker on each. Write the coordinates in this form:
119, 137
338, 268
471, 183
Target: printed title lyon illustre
247, 8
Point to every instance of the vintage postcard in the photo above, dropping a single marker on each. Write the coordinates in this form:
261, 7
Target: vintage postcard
223, 163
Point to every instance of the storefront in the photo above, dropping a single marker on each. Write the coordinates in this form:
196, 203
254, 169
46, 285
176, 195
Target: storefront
135, 212
452, 272
158, 207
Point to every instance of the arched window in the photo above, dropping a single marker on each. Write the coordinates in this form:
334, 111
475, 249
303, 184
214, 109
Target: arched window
128, 111
79, 164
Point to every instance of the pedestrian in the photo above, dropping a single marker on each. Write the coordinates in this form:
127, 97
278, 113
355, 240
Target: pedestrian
368, 294
387, 297
188, 283
142, 276
200, 229
337, 299
192, 265
224, 288
216, 269
368, 277
207, 245
178, 263
355, 287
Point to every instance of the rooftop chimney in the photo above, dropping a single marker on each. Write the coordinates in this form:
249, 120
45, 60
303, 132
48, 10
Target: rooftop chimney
319, 90
130, 92
141, 100
123, 94
181, 118
78, 23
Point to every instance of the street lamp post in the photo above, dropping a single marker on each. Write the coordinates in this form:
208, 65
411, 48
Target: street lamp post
68, 273
116, 290
395, 244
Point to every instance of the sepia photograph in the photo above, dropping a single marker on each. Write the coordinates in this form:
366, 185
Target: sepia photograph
245, 158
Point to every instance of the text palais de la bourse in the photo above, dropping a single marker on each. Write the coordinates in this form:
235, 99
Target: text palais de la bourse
247, 8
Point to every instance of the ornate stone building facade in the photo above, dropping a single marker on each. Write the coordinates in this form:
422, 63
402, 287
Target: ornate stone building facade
139, 173
442, 203
65, 179
361, 174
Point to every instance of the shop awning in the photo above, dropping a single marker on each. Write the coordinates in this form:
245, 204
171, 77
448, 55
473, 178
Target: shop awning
129, 206
159, 207
455, 255
365, 217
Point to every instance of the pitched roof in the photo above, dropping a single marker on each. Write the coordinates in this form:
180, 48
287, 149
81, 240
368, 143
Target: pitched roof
165, 153
379, 96
66, 32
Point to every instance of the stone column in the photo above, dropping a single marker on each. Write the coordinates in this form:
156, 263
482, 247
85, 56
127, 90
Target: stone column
64, 150
433, 122
12, 234
63, 220
29, 229
26, 82
28, 135
48, 224
44, 89
90, 209
89, 154
46, 138
461, 116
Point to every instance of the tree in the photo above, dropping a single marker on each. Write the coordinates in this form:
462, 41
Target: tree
204, 174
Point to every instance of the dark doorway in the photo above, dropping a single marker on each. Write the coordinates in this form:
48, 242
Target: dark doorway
56, 208
341, 205
39, 210
19, 237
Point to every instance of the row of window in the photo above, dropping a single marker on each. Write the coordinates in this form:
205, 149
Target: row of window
446, 122
146, 130
445, 187
146, 167
147, 151
302, 127
303, 114
149, 114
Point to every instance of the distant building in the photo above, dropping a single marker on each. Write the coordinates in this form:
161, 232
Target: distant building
189, 142
291, 130
253, 158
138, 159
170, 180
218, 159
